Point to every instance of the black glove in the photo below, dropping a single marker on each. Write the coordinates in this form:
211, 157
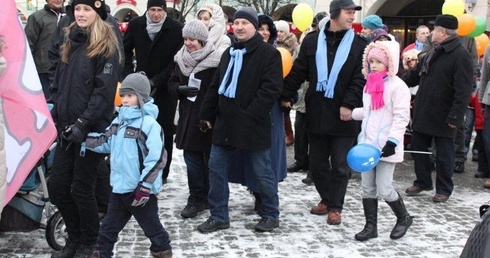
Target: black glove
187, 91
76, 132
388, 149
203, 126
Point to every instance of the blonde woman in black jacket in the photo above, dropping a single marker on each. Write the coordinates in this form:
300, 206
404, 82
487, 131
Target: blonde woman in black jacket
83, 92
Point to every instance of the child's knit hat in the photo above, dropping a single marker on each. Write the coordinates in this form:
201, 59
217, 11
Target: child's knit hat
137, 83
195, 29
384, 51
378, 54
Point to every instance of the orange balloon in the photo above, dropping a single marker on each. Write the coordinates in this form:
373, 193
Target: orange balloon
466, 24
482, 42
287, 61
117, 98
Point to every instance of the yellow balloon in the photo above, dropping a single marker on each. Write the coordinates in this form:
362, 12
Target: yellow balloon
302, 16
453, 7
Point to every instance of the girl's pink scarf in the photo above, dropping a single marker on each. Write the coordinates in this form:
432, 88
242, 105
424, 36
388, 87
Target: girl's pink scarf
375, 86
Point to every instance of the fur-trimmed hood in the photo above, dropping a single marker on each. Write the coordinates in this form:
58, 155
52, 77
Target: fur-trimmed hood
392, 50
265, 19
217, 24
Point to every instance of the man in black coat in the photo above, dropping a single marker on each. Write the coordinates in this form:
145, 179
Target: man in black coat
237, 107
154, 39
333, 51
445, 77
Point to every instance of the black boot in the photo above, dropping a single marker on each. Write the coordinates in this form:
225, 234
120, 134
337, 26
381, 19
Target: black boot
404, 220
371, 213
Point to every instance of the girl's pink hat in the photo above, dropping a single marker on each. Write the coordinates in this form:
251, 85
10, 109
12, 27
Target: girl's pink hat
378, 54
384, 51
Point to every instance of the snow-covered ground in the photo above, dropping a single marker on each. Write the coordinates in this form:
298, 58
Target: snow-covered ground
439, 230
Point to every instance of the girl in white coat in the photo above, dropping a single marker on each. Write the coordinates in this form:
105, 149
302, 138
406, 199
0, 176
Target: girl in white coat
385, 115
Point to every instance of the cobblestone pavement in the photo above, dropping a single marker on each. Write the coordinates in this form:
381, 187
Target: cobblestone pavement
439, 230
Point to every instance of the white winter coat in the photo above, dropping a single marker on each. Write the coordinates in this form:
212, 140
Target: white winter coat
391, 120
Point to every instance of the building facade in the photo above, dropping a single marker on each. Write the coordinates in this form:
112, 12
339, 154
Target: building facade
401, 16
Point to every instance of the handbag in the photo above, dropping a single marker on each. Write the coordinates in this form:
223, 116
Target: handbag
478, 243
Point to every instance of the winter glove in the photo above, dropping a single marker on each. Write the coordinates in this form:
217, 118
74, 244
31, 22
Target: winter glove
187, 91
76, 132
141, 195
388, 149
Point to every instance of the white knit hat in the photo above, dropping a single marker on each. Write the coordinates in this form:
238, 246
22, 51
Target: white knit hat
282, 26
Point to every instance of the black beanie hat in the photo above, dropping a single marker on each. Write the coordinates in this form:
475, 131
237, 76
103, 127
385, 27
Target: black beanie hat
247, 13
97, 5
156, 3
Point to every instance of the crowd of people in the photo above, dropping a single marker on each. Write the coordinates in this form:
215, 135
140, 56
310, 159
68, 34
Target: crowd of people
234, 108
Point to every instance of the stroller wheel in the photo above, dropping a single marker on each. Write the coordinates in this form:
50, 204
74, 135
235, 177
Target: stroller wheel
56, 234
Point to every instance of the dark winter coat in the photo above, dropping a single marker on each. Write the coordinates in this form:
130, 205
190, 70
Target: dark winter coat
244, 122
39, 29
59, 35
156, 59
442, 97
188, 135
323, 114
84, 87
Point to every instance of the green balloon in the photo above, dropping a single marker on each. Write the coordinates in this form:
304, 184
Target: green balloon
481, 26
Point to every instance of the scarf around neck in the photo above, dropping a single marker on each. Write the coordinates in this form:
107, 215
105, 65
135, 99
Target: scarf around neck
326, 81
197, 61
236, 60
375, 86
153, 28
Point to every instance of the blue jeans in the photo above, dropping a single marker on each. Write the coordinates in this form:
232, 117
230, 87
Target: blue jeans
197, 176
219, 192
118, 215
444, 162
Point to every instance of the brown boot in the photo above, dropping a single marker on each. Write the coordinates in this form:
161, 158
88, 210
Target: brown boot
487, 183
289, 130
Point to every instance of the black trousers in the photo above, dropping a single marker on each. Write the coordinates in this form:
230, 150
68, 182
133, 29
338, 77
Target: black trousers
169, 145
301, 141
71, 188
328, 167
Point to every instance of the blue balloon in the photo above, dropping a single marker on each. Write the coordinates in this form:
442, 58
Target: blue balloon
363, 157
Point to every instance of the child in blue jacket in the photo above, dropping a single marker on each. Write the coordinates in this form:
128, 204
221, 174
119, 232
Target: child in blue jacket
135, 141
